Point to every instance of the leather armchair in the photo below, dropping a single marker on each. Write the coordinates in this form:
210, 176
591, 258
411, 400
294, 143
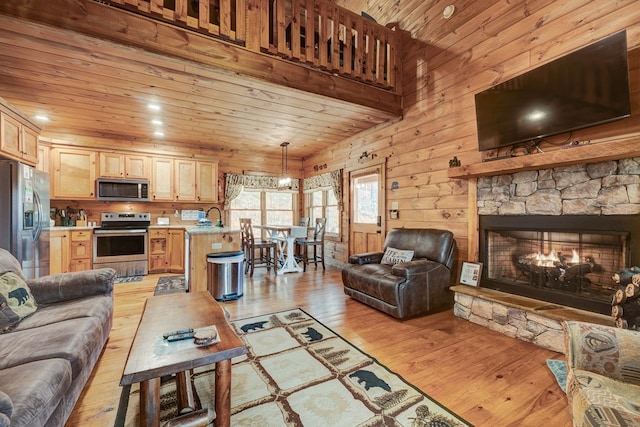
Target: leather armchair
406, 289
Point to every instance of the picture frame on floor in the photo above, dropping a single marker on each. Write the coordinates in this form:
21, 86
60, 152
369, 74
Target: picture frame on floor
471, 273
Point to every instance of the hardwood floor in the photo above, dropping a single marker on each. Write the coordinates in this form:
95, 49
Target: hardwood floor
487, 378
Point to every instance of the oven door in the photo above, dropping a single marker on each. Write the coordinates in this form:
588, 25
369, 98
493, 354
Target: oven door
119, 245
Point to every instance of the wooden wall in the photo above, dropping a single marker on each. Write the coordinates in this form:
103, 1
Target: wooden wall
484, 43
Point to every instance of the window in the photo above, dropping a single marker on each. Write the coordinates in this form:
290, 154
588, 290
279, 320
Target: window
263, 207
322, 203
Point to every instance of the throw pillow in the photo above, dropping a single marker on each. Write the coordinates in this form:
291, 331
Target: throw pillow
394, 256
16, 301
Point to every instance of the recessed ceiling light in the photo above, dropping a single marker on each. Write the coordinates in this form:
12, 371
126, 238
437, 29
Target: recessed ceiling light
448, 11
154, 107
41, 117
156, 122
159, 134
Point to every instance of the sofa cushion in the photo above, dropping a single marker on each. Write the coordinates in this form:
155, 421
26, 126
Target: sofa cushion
74, 340
393, 256
36, 388
597, 400
9, 263
16, 301
100, 307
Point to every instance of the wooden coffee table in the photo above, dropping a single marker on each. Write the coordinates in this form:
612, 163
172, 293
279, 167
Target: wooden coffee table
150, 358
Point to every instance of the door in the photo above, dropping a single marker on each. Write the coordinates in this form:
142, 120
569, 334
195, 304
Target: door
366, 218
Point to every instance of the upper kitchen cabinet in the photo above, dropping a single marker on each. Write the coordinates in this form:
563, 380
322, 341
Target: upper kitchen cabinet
118, 165
207, 182
18, 137
185, 180
161, 179
73, 174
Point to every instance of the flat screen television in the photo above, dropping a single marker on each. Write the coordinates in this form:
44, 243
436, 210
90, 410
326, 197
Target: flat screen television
585, 88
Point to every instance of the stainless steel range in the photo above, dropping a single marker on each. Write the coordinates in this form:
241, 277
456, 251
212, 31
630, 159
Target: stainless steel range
121, 243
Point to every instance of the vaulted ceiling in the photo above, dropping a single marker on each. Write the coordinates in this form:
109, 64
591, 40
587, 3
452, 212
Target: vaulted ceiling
99, 88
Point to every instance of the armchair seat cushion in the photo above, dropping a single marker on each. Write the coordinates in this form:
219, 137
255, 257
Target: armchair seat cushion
375, 280
598, 400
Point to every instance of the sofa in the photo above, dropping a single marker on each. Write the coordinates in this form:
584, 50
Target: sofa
409, 277
46, 358
603, 375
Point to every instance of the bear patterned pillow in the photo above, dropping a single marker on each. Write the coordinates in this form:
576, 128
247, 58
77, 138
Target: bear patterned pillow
16, 301
394, 256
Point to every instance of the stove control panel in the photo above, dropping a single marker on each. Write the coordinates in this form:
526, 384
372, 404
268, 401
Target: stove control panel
125, 216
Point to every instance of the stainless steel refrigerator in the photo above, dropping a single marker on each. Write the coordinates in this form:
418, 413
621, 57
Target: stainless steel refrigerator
24, 216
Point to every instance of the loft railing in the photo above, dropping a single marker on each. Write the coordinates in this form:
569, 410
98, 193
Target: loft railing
314, 32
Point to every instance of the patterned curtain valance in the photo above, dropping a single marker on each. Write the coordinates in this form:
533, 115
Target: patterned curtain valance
331, 179
234, 183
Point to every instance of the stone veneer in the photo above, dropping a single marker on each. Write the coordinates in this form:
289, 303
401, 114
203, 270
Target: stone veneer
606, 188
519, 317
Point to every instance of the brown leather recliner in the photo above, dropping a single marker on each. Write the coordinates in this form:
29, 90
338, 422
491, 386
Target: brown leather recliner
406, 289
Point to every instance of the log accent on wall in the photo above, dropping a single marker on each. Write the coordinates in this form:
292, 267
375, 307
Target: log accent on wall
484, 43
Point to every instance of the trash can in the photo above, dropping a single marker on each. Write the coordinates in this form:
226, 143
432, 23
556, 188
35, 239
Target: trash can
224, 275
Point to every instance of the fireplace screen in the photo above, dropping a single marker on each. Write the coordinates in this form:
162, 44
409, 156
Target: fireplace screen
561, 265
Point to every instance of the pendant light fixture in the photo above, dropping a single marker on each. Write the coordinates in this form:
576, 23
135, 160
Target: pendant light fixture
284, 182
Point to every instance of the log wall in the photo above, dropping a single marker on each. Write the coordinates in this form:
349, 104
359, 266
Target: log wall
484, 43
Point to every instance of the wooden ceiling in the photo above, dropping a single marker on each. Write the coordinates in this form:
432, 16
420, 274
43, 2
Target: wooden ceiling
98, 88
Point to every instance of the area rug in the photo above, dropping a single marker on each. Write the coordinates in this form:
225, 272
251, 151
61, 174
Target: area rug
127, 279
169, 285
559, 370
300, 373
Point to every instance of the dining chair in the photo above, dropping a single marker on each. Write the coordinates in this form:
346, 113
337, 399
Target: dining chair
267, 249
316, 242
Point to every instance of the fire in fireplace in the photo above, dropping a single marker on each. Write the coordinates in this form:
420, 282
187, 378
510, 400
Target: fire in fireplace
567, 260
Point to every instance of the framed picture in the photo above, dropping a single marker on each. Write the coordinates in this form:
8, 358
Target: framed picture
470, 274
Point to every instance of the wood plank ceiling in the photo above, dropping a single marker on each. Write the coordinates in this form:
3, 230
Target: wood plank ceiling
97, 88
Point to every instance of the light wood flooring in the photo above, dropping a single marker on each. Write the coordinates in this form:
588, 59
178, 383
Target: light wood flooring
487, 378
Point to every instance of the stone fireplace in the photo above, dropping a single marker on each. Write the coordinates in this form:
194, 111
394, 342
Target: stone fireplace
530, 224
567, 259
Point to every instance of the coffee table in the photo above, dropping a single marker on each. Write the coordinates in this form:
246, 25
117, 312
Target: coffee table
151, 358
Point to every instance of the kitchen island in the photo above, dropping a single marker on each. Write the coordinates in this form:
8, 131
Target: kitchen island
201, 241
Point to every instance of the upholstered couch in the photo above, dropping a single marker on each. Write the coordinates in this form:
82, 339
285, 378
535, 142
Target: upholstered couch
404, 289
603, 375
47, 358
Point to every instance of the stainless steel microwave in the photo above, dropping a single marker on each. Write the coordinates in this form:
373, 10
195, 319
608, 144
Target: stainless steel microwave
122, 190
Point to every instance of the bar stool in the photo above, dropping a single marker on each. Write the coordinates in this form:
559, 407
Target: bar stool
316, 242
267, 249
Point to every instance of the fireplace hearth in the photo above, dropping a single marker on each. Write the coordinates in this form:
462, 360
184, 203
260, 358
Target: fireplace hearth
567, 259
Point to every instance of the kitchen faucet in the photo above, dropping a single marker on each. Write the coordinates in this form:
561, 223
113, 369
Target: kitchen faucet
219, 222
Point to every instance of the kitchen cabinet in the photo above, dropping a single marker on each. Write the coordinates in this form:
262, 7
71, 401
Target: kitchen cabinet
175, 250
161, 179
118, 165
206, 182
44, 157
59, 251
166, 250
185, 180
70, 250
73, 173
80, 250
17, 140
203, 242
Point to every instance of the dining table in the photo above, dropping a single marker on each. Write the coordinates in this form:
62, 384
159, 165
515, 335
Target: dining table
285, 236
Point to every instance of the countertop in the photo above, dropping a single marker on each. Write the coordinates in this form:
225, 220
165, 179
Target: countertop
191, 229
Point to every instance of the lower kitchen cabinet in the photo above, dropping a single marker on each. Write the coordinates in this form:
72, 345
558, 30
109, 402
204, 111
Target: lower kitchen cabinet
69, 250
166, 250
59, 251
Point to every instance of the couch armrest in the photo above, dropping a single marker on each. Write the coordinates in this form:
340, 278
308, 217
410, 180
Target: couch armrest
366, 258
604, 350
68, 286
415, 267
6, 409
